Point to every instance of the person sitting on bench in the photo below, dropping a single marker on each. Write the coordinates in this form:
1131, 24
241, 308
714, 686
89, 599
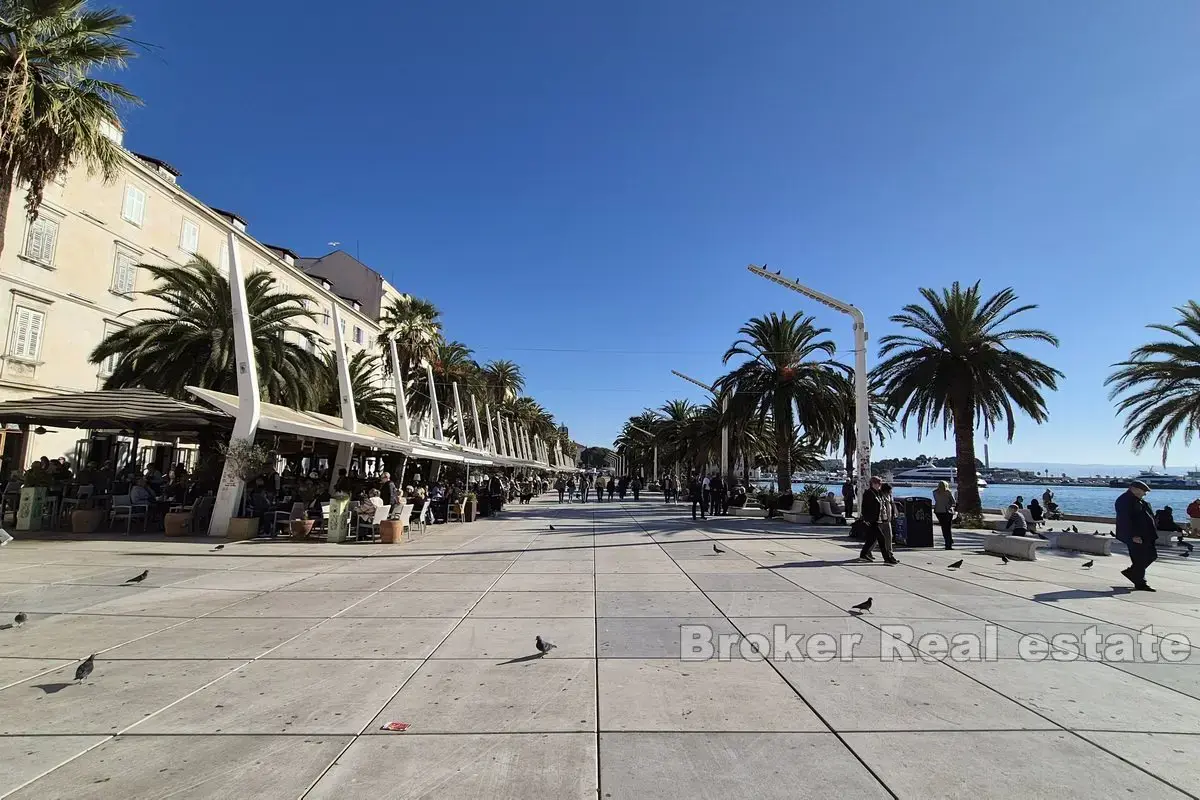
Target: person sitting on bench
1016, 521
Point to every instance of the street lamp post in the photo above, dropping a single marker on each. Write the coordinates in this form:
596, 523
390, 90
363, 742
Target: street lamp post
862, 414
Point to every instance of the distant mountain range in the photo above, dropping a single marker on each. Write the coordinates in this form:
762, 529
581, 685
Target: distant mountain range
1085, 470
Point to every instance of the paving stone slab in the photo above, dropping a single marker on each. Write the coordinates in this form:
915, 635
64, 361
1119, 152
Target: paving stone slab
717, 766
416, 604
554, 582
906, 605
1184, 678
793, 603
443, 582
655, 604
542, 766
312, 697
644, 582
73, 636
23, 758
214, 638
1040, 765
190, 767
514, 696
480, 637
876, 695
670, 695
1171, 757
867, 646
536, 604
649, 637
15, 670
169, 602
1090, 695
244, 580
757, 581
283, 603
370, 638
62, 598
117, 695
345, 582
550, 567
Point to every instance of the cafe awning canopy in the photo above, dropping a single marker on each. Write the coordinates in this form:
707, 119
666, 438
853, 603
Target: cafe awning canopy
135, 410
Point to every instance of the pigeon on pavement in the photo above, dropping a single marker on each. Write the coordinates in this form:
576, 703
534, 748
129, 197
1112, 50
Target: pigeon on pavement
20, 618
85, 669
543, 646
1074, 529
219, 547
1004, 559
551, 527
1089, 564
956, 564
717, 550
863, 606
139, 578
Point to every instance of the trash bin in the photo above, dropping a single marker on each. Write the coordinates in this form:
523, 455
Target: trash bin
918, 521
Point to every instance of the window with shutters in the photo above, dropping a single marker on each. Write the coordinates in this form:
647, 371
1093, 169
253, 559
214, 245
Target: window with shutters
342, 322
358, 335
223, 260
124, 271
325, 317
109, 365
134, 208
26, 338
189, 237
41, 239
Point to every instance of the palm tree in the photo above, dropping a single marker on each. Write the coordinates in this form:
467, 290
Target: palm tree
373, 403
52, 112
959, 368
780, 381
416, 326
881, 419
502, 380
189, 339
1161, 384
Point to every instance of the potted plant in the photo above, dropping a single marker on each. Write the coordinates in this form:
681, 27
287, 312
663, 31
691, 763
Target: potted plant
247, 461
471, 508
391, 530
33, 496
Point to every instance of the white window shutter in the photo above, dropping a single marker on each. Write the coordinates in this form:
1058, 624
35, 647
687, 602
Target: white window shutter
27, 333
43, 233
134, 208
21, 332
124, 273
189, 237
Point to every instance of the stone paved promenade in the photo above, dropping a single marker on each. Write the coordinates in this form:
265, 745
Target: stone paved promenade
266, 670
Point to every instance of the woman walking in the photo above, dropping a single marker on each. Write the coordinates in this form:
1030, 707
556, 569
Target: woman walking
943, 509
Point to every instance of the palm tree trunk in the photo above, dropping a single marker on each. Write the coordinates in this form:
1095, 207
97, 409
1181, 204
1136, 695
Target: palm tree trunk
7, 179
783, 445
964, 450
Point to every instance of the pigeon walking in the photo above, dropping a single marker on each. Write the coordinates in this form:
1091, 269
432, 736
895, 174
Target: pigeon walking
1074, 529
956, 564
717, 550
1004, 559
1088, 564
85, 669
543, 646
865, 605
139, 578
219, 547
19, 619
551, 527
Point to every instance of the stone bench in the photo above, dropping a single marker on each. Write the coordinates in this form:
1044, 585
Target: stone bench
752, 512
1022, 547
804, 518
1100, 545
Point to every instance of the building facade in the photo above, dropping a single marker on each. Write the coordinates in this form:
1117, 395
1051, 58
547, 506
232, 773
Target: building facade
71, 277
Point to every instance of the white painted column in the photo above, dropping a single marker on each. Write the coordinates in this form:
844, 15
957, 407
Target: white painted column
245, 425
475, 424
402, 422
433, 405
345, 450
487, 409
462, 423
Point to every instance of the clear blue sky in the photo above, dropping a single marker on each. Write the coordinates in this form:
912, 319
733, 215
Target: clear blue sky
594, 178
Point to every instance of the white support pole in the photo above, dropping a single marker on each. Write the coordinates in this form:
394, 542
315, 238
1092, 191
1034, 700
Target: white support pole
438, 433
245, 425
508, 437
462, 423
724, 472
487, 409
345, 390
402, 422
475, 423
654, 477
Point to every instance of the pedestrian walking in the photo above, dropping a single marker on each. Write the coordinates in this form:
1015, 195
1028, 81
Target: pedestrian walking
601, 482
848, 496
943, 510
585, 487
696, 492
561, 486
1135, 527
716, 490
636, 486
872, 512
705, 494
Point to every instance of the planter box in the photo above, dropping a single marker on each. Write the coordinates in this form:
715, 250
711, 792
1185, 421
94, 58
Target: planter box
301, 528
469, 511
175, 523
242, 528
87, 520
29, 515
751, 512
391, 531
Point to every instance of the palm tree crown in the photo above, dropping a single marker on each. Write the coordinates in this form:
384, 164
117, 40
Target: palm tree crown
191, 341
1161, 385
416, 326
502, 380
958, 368
373, 403
52, 112
782, 381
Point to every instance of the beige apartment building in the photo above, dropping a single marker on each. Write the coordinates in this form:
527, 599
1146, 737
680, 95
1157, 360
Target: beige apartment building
70, 277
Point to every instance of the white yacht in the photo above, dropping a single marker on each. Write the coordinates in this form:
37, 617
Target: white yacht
929, 475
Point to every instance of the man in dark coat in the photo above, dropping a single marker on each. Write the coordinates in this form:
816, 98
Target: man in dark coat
872, 508
696, 491
1136, 528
